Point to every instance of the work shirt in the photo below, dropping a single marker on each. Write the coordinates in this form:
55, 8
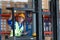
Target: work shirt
18, 28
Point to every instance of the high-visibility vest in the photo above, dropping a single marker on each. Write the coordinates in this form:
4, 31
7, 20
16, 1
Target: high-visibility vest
18, 31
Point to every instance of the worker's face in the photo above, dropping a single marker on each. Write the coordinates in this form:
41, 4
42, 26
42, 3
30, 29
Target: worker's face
20, 19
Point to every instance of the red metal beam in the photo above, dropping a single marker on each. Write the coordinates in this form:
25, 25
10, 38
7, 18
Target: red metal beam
48, 32
5, 33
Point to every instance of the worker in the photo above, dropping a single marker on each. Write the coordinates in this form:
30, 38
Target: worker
17, 24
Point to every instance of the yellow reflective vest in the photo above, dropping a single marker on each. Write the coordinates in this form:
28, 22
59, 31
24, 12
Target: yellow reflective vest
18, 31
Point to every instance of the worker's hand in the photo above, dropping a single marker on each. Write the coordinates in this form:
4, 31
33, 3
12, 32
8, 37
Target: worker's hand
25, 33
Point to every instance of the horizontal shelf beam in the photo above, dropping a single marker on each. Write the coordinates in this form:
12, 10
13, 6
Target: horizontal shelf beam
21, 9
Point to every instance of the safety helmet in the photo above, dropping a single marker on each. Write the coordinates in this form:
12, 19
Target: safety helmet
22, 15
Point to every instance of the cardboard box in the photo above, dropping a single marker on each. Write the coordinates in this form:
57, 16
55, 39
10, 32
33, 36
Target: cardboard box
48, 38
12, 4
45, 4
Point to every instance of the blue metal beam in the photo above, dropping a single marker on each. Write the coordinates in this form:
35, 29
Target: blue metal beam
23, 9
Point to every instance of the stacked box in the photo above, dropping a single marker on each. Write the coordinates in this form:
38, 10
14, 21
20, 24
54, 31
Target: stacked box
12, 4
45, 4
4, 27
48, 38
16, 4
4, 6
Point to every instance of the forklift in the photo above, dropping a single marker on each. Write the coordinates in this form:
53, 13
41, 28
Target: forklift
32, 27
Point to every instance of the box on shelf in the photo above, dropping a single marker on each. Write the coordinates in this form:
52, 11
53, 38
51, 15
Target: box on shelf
48, 38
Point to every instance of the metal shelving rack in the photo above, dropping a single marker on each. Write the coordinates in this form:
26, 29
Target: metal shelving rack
58, 20
55, 15
37, 18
